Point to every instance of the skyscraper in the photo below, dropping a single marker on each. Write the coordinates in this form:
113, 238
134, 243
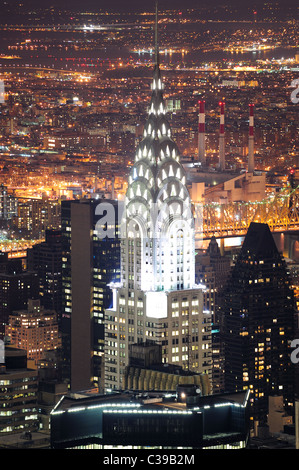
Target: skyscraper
257, 324
89, 264
157, 297
45, 259
212, 269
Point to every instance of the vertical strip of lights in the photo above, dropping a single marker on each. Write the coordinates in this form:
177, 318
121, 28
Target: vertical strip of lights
201, 134
251, 139
221, 139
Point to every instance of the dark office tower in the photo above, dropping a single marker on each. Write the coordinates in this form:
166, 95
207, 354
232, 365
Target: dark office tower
258, 324
220, 263
16, 287
212, 269
45, 259
89, 264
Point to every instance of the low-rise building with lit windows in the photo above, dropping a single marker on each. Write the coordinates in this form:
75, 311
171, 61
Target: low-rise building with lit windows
18, 394
34, 330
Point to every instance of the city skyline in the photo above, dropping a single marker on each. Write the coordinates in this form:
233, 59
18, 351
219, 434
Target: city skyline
233, 7
149, 220
147, 4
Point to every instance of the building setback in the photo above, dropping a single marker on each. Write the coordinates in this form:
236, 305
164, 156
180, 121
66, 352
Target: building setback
146, 372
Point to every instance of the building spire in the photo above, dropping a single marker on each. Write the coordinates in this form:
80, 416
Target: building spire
157, 59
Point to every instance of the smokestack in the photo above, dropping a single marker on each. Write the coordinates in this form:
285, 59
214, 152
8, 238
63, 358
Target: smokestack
251, 140
201, 133
221, 139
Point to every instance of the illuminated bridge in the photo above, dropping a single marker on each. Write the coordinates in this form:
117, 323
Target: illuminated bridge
279, 211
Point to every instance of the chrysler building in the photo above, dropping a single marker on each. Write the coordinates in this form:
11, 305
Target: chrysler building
157, 298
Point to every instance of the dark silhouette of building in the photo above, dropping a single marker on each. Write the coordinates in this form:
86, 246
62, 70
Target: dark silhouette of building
257, 324
16, 287
212, 269
46, 259
89, 264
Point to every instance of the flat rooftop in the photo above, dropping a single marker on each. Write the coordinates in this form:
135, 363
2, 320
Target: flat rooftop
151, 400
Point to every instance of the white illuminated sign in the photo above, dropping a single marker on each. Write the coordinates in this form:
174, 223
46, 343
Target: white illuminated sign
156, 304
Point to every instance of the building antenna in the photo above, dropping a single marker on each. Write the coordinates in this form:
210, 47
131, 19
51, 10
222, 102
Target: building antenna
156, 37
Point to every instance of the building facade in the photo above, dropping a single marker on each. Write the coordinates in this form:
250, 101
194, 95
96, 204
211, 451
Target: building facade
34, 330
16, 287
35, 216
8, 204
45, 259
89, 264
18, 394
212, 269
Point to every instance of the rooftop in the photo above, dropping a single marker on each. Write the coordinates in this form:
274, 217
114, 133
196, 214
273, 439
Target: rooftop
152, 400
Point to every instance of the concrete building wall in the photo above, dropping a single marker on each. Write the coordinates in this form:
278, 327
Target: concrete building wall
81, 335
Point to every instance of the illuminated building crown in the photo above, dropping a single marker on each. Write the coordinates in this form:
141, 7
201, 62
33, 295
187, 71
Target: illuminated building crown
158, 227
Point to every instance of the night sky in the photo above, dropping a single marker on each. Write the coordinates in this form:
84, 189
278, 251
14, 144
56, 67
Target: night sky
124, 5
